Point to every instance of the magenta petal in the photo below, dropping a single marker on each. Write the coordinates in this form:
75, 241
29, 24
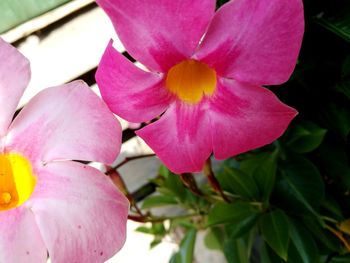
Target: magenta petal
20, 239
159, 34
255, 41
130, 92
244, 117
181, 138
65, 122
80, 213
14, 78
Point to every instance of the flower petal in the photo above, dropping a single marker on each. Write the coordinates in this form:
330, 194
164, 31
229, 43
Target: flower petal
14, 78
130, 92
65, 122
20, 239
159, 34
245, 117
255, 41
80, 213
181, 138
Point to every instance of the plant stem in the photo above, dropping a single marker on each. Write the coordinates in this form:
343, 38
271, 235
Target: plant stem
148, 218
128, 159
208, 171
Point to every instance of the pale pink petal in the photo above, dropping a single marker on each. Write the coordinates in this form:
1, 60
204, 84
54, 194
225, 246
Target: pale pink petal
20, 239
255, 41
14, 78
159, 34
65, 122
130, 92
80, 213
244, 117
181, 138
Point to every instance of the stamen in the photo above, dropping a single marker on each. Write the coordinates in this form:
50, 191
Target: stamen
190, 80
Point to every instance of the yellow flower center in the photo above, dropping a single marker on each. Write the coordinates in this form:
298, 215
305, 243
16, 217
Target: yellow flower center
190, 80
17, 181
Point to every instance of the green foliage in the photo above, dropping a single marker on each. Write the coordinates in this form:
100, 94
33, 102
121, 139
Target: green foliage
275, 230
185, 254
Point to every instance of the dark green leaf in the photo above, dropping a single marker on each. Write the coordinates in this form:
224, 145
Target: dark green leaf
303, 243
236, 251
268, 256
344, 87
158, 200
275, 230
341, 259
337, 21
327, 242
239, 250
305, 137
241, 215
239, 183
300, 188
337, 118
262, 167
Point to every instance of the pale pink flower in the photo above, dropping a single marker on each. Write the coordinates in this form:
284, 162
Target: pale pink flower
206, 71
48, 203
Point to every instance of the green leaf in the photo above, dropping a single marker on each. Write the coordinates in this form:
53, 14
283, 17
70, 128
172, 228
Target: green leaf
340, 259
239, 249
171, 184
337, 118
338, 22
293, 189
236, 251
305, 137
158, 200
213, 238
275, 230
262, 167
241, 216
187, 247
303, 242
268, 256
239, 183
327, 242
344, 88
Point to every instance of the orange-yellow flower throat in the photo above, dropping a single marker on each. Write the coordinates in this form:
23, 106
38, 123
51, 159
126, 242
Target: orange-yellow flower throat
190, 80
17, 181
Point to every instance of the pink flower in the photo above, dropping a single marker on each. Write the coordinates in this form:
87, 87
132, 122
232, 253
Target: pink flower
48, 203
206, 71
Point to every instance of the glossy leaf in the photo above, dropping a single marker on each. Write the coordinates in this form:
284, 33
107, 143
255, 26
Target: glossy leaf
262, 167
240, 215
239, 250
239, 183
303, 243
305, 137
275, 230
300, 188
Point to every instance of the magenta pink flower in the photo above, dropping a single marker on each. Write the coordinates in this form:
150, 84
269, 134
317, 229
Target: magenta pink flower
49, 204
206, 71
